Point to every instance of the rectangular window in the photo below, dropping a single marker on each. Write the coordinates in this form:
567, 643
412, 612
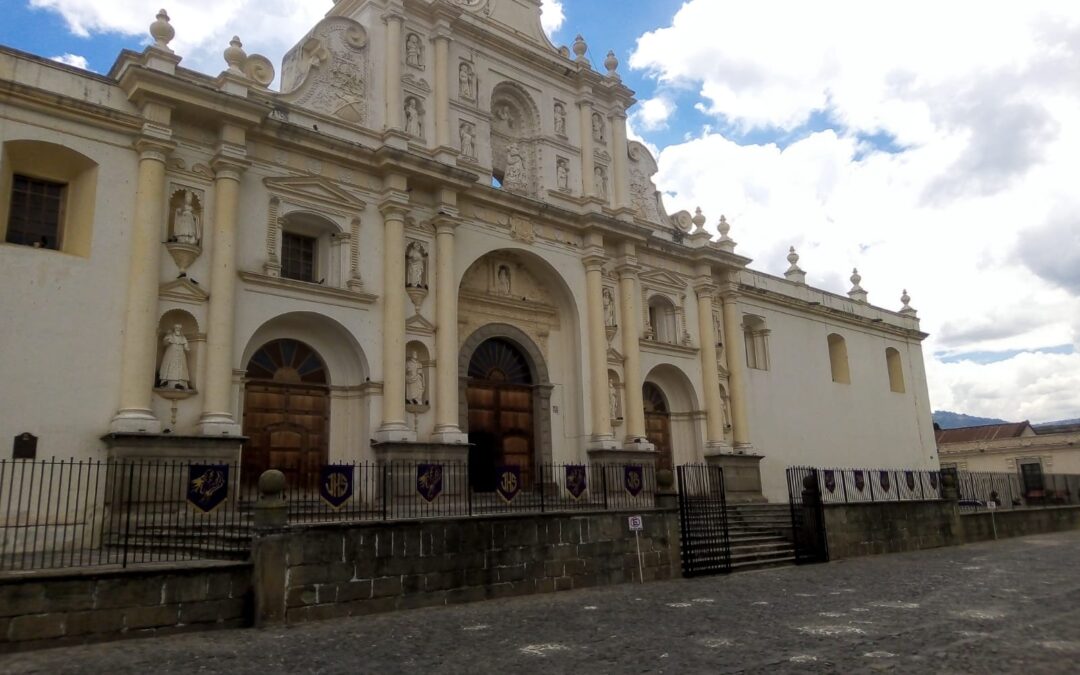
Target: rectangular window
1032, 475
298, 257
37, 209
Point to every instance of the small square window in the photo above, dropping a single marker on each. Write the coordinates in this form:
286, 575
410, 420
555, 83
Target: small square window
298, 257
37, 209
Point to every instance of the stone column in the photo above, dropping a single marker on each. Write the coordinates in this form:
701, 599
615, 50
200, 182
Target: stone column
394, 111
139, 356
634, 408
394, 207
588, 162
705, 289
594, 258
620, 164
229, 165
442, 88
446, 336
736, 364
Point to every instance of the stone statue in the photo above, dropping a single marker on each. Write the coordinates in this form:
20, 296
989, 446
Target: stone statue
186, 225
468, 140
414, 267
600, 182
613, 400
562, 174
414, 125
466, 82
560, 119
504, 280
609, 308
505, 117
414, 51
414, 380
515, 170
598, 128
174, 367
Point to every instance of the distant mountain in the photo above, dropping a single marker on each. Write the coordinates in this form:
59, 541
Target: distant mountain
1061, 426
951, 420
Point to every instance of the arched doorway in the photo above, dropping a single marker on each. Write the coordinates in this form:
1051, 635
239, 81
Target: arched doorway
500, 402
286, 412
658, 424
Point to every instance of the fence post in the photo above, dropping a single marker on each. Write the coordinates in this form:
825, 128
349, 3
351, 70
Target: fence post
268, 550
127, 512
542, 484
385, 492
603, 483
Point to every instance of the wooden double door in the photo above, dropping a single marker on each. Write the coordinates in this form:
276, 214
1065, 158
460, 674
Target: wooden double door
658, 424
286, 414
501, 415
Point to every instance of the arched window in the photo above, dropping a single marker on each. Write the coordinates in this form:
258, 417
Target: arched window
756, 340
896, 370
309, 250
838, 359
663, 320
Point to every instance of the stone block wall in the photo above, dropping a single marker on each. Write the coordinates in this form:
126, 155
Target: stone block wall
1018, 523
49, 609
343, 570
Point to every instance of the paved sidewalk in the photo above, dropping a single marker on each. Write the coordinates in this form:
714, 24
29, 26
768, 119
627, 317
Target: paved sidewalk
1007, 607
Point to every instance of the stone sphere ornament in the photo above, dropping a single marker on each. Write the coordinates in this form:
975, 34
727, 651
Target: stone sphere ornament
162, 31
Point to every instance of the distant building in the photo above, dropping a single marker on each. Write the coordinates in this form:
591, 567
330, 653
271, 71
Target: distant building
1012, 448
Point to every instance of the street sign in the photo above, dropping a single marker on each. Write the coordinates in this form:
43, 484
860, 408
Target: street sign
636, 524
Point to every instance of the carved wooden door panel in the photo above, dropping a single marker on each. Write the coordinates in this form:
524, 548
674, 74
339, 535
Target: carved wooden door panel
501, 430
658, 424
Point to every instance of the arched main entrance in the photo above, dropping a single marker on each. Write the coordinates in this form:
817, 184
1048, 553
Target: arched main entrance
500, 402
658, 423
286, 412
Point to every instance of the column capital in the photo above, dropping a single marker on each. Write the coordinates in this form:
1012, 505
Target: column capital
393, 14
628, 266
154, 149
394, 204
446, 224
594, 259
729, 291
228, 167
705, 287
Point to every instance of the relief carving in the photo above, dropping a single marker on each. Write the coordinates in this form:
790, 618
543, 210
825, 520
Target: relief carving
329, 70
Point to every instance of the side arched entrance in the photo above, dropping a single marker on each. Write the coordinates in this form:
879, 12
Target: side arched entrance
286, 412
658, 424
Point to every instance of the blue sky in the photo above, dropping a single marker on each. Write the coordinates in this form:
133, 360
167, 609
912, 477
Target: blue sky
933, 151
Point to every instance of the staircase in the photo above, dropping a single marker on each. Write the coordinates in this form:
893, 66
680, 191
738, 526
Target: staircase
760, 536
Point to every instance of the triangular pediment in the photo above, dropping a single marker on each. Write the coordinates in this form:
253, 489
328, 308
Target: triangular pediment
418, 325
314, 188
614, 358
183, 290
663, 279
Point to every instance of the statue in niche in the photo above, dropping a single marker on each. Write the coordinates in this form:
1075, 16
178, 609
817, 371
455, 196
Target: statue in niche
468, 140
185, 222
414, 124
414, 380
515, 177
600, 182
613, 399
598, 128
466, 82
562, 174
503, 278
609, 308
560, 119
415, 267
173, 373
505, 117
414, 51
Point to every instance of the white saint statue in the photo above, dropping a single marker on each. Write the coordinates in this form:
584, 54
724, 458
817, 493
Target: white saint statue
560, 119
600, 183
613, 399
515, 169
414, 126
414, 380
414, 267
185, 225
465, 82
174, 367
562, 175
609, 308
468, 140
413, 51
504, 279
598, 128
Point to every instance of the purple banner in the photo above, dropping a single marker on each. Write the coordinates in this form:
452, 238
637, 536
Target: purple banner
509, 484
634, 479
429, 481
577, 480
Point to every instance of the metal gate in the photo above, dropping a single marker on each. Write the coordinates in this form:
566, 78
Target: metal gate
706, 546
807, 516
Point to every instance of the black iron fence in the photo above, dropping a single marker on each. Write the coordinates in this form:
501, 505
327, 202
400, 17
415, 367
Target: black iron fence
703, 520
853, 486
70, 513
981, 490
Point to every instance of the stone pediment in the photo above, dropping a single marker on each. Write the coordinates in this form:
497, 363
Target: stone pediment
317, 189
663, 279
418, 325
614, 357
329, 71
183, 290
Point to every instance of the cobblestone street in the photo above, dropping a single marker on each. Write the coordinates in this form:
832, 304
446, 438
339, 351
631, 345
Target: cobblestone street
1007, 607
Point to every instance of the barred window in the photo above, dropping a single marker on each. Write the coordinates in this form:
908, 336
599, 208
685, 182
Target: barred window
298, 257
37, 210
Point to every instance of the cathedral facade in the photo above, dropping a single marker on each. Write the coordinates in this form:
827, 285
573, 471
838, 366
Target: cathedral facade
433, 240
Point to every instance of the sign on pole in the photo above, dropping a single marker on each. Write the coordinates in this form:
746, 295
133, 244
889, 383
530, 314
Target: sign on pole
636, 526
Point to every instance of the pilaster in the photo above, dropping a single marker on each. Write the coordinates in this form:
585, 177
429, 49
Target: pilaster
705, 289
593, 260
394, 207
736, 365
634, 412
447, 430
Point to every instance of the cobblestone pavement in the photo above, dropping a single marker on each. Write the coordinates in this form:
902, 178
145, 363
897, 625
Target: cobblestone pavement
1007, 607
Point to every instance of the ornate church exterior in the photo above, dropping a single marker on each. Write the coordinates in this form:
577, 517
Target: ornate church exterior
434, 242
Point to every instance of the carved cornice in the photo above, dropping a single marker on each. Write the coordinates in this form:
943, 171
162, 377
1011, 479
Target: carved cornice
667, 348
300, 290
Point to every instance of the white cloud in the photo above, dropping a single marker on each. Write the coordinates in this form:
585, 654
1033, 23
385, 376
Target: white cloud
72, 60
653, 114
976, 217
552, 16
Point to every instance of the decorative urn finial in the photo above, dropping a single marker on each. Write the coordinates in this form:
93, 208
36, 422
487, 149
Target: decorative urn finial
612, 64
794, 272
162, 31
580, 47
699, 220
857, 292
235, 56
907, 309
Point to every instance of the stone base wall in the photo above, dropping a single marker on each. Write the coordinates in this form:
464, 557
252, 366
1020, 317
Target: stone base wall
856, 530
343, 570
48, 609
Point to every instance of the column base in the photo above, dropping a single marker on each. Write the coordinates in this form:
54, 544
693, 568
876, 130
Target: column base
742, 476
450, 436
744, 449
607, 442
395, 433
134, 421
718, 448
219, 424
638, 445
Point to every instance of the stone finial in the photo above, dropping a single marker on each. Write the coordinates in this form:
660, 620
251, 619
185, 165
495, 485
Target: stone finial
794, 272
907, 309
726, 243
162, 31
699, 220
612, 64
580, 47
857, 292
235, 56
